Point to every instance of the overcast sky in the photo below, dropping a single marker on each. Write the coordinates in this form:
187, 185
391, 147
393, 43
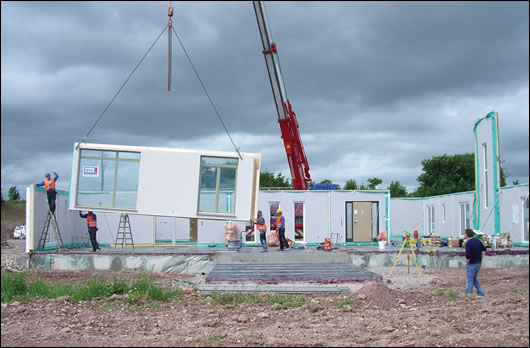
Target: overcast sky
377, 87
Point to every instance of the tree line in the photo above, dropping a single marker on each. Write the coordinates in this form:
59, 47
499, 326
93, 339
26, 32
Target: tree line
440, 175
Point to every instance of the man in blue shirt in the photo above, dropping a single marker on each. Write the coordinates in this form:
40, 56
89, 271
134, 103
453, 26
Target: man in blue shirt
49, 185
474, 253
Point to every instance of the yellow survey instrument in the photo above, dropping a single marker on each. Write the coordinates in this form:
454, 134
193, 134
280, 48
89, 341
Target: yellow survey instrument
407, 240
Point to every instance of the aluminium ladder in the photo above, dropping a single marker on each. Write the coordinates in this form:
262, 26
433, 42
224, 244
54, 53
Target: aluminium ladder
124, 232
50, 218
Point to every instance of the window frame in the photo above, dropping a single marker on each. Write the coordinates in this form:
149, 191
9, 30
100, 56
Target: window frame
485, 171
467, 217
299, 240
116, 160
218, 168
431, 222
525, 226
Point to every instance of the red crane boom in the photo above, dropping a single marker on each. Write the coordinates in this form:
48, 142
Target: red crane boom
286, 117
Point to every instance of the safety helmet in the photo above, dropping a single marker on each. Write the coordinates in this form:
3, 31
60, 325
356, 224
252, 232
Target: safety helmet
47, 174
279, 211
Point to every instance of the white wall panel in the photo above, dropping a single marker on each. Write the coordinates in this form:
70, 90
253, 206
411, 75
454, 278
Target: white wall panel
168, 182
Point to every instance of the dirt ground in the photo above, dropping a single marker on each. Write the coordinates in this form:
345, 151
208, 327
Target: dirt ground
407, 312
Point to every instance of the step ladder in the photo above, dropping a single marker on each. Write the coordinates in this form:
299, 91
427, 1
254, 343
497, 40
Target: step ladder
124, 232
50, 218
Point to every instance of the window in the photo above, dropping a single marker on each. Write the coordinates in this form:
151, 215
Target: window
486, 186
299, 221
465, 217
431, 226
217, 188
375, 219
108, 179
274, 206
443, 213
525, 219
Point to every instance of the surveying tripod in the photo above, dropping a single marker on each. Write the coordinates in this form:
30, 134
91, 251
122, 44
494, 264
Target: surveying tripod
406, 241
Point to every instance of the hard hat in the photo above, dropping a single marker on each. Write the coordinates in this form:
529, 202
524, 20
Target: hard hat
47, 174
279, 211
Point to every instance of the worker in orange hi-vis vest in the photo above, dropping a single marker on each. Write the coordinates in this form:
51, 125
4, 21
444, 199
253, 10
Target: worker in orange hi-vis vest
92, 224
280, 227
49, 185
261, 226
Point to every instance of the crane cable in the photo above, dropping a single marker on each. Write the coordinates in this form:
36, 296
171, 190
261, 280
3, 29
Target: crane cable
196, 73
127, 80
207, 94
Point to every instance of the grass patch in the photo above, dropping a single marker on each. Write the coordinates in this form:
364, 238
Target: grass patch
345, 302
14, 212
234, 299
440, 292
514, 290
13, 286
16, 287
287, 301
452, 294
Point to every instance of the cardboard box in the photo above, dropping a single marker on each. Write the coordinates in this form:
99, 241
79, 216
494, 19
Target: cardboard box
454, 243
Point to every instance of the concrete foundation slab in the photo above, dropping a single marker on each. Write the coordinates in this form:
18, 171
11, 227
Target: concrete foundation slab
274, 273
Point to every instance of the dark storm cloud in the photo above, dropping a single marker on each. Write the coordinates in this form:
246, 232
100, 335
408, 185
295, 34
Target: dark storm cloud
377, 87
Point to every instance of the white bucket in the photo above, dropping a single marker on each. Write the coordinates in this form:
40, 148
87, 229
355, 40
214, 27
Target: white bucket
382, 244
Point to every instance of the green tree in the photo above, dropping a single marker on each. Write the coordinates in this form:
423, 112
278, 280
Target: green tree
373, 182
397, 190
516, 182
449, 174
363, 186
350, 185
13, 194
267, 179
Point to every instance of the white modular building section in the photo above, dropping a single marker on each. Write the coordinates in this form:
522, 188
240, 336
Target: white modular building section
165, 182
72, 228
407, 216
453, 213
487, 174
444, 215
324, 211
514, 203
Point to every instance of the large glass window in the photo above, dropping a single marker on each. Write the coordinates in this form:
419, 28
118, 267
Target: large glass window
274, 206
217, 188
108, 179
299, 221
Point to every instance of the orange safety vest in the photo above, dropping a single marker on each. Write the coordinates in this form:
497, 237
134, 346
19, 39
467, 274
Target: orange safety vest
279, 221
91, 221
262, 227
49, 185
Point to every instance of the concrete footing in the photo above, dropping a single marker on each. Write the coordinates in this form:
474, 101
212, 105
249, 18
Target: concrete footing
197, 261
